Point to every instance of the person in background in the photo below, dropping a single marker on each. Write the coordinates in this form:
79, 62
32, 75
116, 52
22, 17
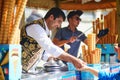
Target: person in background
71, 35
36, 37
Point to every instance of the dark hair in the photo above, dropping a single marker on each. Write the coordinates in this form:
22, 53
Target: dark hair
56, 12
75, 12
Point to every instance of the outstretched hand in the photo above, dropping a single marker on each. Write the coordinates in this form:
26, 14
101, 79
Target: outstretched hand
83, 68
79, 64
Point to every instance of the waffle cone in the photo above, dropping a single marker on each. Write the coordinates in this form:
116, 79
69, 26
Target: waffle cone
11, 5
3, 20
1, 74
5, 60
17, 20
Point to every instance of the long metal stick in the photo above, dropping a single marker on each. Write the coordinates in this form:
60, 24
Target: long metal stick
84, 32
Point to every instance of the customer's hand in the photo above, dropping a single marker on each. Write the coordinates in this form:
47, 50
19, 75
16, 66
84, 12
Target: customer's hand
89, 69
117, 49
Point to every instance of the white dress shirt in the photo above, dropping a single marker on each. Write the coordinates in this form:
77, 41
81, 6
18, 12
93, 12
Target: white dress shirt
41, 36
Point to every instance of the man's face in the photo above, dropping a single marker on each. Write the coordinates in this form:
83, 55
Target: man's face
75, 20
55, 23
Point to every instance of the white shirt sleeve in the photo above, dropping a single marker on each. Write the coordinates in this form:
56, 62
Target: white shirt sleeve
45, 56
39, 34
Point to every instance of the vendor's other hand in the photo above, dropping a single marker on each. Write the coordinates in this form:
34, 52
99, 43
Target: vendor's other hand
72, 39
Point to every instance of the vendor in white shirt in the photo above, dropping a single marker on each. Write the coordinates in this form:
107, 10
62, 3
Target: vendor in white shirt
35, 39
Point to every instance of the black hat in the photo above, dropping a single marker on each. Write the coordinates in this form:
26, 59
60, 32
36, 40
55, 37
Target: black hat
76, 12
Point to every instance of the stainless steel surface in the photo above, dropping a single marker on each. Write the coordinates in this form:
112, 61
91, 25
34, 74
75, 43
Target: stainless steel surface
44, 76
55, 65
56, 69
84, 32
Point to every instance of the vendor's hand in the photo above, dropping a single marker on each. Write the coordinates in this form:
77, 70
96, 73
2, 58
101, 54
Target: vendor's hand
79, 64
83, 68
72, 39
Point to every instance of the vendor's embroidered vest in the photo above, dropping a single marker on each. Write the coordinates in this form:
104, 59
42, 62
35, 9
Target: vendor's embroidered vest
30, 48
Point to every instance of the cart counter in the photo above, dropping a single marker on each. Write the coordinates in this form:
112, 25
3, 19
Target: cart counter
68, 75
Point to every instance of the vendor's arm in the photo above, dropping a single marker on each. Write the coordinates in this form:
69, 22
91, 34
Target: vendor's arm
61, 38
39, 34
60, 43
75, 61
